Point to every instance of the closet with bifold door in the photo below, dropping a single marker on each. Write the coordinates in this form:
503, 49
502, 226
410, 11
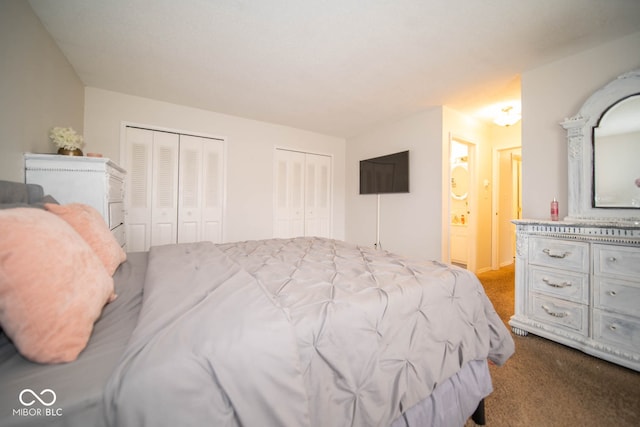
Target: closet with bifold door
302, 194
174, 189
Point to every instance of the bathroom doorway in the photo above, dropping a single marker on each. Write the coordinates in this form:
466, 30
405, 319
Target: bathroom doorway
462, 218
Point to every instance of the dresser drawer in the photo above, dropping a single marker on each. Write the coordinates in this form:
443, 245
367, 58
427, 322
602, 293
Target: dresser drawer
116, 189
116, 214
119, 234
616, 329
568, 315
557, 253
620, 261
560, 283
617, 295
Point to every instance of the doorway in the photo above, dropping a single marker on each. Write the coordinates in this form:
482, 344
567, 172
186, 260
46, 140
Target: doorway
461, 222
507, 204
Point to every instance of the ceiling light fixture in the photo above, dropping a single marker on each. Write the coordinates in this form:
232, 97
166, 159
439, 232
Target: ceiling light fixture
507, 117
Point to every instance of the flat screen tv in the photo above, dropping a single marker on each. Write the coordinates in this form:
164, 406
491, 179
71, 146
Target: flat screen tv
385, 174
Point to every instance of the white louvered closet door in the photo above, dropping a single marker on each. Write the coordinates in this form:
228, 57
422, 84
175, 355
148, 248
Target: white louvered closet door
190, 204
317, 206
175, 188
200, 193
212, 190
138, 189
289, 194
164, 196
302, 194
152, 183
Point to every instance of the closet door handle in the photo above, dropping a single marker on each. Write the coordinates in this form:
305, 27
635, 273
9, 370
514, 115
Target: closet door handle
555, 254
556, 285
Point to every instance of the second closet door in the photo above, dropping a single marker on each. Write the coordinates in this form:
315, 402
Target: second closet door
302, 194
317, 196
200, 190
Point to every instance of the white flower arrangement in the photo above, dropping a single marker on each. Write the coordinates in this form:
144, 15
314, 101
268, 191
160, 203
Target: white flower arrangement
66, 138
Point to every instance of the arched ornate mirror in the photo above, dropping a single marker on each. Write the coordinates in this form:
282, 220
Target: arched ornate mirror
604, 148
616, 156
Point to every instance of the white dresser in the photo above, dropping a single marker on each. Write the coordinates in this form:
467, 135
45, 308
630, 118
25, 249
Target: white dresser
97, 182
578, 283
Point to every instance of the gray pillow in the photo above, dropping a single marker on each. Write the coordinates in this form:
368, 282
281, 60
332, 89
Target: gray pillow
18, 194
39, 204
13, 192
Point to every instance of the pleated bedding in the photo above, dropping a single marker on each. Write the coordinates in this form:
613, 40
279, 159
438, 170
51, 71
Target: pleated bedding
297, 332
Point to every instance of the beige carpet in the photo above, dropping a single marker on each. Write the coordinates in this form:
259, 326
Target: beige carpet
549, 384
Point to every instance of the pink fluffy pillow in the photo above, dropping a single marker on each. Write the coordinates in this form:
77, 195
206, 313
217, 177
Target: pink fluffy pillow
89, 224
52, 285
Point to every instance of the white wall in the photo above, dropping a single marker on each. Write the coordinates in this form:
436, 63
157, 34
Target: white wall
38, 88
409, 223
549, 95
250, 144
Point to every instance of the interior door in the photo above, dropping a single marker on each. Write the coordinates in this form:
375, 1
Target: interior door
164, 185
289, 193
175, 188
138, 188
516, 198
317, 207
190, 190
152, 178
200, 191
212, 189
462, 206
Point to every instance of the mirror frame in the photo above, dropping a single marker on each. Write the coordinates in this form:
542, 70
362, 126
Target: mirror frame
580, 152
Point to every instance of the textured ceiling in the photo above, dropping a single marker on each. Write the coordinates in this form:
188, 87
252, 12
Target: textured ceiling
336, 67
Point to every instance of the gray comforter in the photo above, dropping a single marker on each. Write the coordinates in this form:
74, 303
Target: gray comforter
299, 332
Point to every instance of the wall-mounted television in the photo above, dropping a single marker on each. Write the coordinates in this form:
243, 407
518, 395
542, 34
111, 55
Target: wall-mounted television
385, 174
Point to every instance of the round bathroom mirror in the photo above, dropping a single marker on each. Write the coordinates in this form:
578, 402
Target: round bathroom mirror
459, 182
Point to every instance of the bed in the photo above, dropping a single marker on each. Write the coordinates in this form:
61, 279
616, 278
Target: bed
277, 332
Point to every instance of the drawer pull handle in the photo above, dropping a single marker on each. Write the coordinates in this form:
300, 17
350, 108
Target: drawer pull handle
613, 293
612, 259
555, 313
556, 285
613, 327
554, 254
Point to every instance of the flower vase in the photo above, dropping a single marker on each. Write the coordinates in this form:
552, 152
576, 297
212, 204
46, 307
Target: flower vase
65, 152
